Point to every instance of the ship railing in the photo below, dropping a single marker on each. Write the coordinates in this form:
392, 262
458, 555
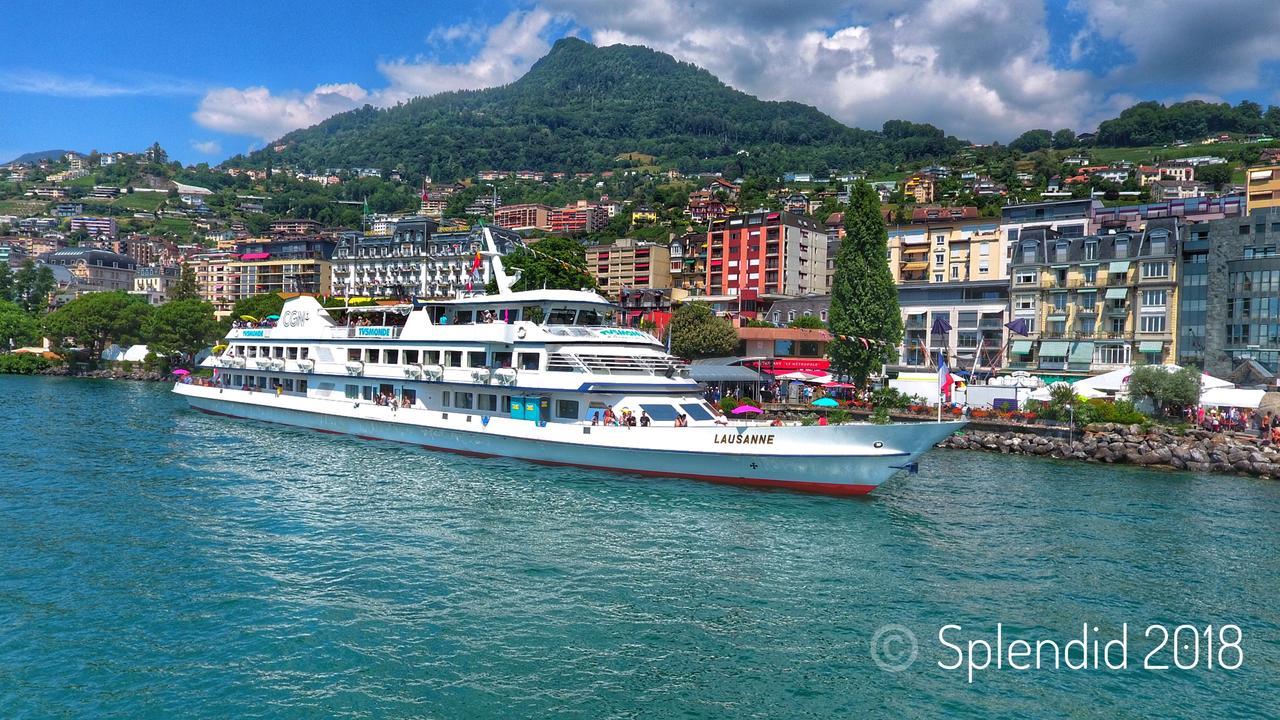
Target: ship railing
616, 364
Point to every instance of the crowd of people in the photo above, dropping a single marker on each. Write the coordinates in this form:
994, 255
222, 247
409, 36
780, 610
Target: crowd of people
1264, 424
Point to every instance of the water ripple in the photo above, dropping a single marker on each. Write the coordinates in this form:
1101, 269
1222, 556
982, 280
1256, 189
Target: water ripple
159, 563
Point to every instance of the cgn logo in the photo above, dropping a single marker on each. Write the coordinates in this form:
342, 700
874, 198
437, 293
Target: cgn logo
294, 318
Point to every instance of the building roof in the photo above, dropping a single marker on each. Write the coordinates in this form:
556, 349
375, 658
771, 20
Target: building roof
92, 256
764, 333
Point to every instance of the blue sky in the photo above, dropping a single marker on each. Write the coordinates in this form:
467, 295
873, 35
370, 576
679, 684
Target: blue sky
212, 82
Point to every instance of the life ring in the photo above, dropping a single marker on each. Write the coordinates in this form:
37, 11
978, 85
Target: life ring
521, 332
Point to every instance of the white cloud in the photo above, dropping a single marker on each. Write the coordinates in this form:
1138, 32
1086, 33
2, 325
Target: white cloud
258, 113
207, 147
980, 69
509, 48
40, 82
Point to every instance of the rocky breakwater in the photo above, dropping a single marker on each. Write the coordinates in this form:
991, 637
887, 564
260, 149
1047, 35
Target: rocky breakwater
108, 373
1194, 450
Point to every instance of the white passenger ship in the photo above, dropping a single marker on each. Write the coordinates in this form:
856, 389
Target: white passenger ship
523, 375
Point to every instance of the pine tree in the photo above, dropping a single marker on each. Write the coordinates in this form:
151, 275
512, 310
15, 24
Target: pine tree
186, 287
864, 299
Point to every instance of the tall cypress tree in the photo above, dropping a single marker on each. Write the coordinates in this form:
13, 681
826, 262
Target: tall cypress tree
864, 300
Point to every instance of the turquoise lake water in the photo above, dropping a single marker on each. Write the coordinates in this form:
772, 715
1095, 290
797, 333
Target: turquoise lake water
159, 563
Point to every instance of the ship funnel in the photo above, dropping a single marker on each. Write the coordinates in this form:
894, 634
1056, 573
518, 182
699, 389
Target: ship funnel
500, 276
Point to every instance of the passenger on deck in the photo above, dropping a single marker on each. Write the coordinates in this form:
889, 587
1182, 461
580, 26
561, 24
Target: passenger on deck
777, 422
595, 418
609, 417
644, 418
681, 420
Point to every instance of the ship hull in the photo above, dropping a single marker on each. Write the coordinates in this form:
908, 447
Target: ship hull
834, 460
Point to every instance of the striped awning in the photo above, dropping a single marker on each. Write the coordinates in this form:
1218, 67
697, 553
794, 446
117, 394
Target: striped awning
1054, 348
1118, 266
1021, 347
1150, 346
1081, 352
915, 265
1117, 293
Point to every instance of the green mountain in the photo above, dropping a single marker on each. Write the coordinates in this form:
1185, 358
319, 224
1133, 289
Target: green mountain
35, 157
581, 106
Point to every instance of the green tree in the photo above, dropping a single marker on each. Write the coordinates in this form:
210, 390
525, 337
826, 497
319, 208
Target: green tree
258, 306
1214, 175
696, 332
6, 282
32, 286
864, 300
553, 263
1032, 140
17, 327
1168, 391
1063, 139
810, 322
186, 287
95, 320
180, 327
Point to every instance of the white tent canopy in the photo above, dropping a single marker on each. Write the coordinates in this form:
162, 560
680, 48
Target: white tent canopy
1117, 381
1232, 397
1045, 394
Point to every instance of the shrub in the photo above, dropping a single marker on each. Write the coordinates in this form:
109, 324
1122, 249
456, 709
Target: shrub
891, 398
841, 416
880, 416
24, 363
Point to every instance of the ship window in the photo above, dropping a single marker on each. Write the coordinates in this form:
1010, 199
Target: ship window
529, 361
352, 392
353, 354
444, 399
304, 353
431, 357
463, 400
293, 353
371, 355
697, 411
288, 385
408, 397
660, 413
453, 358
279, 351
253, 351
502, 359
567, 409
302, 386
487, 403
590, 317
390, 357
561, 316
476, 358
366, 392
462, 317
410, 357
262, 382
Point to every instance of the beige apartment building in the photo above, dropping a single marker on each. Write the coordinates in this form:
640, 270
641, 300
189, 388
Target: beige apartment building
629, 263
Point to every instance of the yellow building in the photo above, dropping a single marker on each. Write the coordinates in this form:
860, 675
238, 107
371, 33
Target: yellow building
922, 188
1095, 303
944, 245
1262, 187
629, 263
644, 215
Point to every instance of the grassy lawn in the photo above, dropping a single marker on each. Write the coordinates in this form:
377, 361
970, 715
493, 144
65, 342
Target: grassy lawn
22, 207
180, 226
1146, 155
147, 202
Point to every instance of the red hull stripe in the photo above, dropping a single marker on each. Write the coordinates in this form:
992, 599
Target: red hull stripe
809, 487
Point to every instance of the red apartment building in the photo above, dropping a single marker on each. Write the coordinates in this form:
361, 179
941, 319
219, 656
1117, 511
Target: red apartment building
580, 218
527, 216
763, 253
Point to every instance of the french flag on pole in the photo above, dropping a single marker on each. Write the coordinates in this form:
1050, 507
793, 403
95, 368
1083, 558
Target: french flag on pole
944, 377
